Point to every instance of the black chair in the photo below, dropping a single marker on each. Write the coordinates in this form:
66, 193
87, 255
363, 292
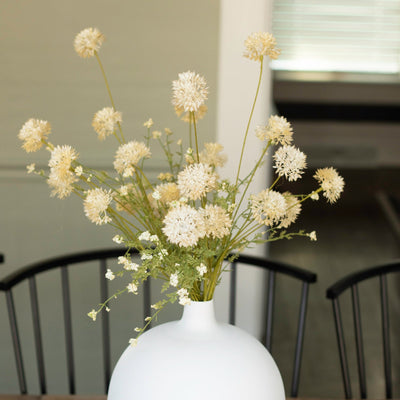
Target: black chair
334, 292
62, 263
274, 268
29, 273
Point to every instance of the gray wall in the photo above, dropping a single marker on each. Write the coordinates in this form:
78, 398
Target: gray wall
147, 44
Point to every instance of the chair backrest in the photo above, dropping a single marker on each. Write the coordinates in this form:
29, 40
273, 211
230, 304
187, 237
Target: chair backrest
333, 293
275, 268
62, 263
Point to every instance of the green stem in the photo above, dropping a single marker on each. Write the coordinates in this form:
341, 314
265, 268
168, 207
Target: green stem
250, 179
195, 135
109, 92
190, 131
248, 123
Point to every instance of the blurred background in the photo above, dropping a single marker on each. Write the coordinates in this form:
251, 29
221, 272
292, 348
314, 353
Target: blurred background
336, 81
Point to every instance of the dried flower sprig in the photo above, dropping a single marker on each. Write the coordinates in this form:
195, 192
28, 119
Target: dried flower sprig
189, 221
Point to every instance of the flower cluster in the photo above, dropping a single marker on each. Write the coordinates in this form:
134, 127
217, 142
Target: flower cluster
189, 221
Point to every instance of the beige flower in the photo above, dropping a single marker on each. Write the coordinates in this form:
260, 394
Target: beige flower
289, 162
62, 182
32, 133
199, 114
268, 207
165, 176
211, 155
184, 226
62, 177
61, 158
183, 297
313, 236
168, 192
331, 182
96, 204
105, 122
156, 134
292, 211
189, 91
196, 180
260, 44
128, 155
278, 130
88, 42
149, 123
216, 221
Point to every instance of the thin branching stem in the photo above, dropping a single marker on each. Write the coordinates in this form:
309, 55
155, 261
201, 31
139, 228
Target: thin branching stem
249, 121
109, 92
195, 135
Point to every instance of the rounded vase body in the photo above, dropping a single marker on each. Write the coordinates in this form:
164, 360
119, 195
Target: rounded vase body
196, 358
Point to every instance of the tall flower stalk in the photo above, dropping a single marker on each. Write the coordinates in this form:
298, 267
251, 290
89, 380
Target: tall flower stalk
189, 223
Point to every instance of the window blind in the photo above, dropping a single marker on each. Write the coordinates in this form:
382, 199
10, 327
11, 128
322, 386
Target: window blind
337, 35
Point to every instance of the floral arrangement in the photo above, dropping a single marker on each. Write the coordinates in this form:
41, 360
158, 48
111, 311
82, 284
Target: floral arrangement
190, 222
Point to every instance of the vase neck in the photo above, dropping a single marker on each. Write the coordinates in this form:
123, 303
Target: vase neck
199, 315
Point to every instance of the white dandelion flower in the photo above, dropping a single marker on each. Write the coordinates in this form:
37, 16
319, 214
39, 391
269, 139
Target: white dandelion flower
189, 91
331, 182
196, 180
268, 207
88, 42
289, 162
96, 204
184, 226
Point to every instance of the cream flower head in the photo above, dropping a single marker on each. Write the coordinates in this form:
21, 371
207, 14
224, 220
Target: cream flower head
189, 91
168, 192
278, 130
96, 204
292, 211
196, 180
61, 157
184, 226
88, 42
105, 122
128, 155
61, 177
148, 124
211, 155
199, 114
289, 162
331, 182
260, 44
32, 133
268, 207
216, 221
61, 182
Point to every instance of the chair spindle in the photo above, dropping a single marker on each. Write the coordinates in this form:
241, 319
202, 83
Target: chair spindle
386, 338
270, 309
37, 334
342, 348
359, 341
232, 294
299, 341
68, 328
16, 343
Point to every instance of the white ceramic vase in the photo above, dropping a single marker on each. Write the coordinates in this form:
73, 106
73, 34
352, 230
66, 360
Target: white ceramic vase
196, 358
